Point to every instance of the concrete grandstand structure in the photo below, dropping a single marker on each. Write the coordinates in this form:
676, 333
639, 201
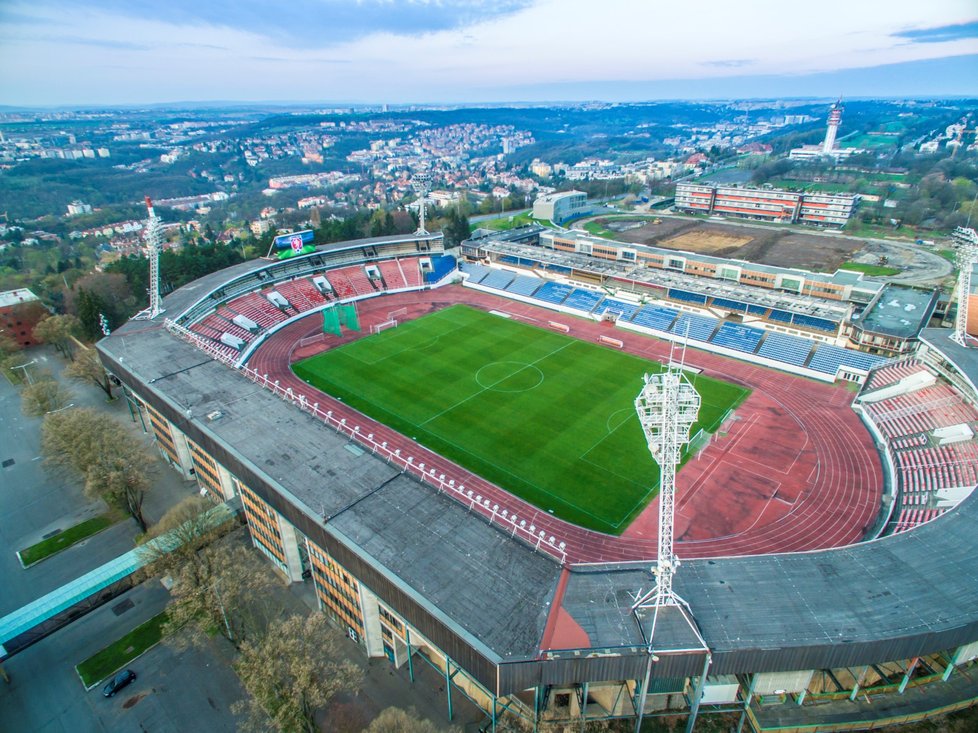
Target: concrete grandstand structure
424, 563
766, 204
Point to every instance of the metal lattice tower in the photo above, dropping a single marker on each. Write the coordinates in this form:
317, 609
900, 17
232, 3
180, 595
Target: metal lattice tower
154, 243
667, 407
967, 256
422, 184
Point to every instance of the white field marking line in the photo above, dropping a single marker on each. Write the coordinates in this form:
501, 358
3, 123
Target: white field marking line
417, 347
486, 389
520, 479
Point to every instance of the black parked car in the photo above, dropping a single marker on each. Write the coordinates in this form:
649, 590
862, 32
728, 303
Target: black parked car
115, 684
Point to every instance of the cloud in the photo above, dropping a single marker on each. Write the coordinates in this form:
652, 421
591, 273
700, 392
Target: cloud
306, 23
433, 50
941, 33
730, 63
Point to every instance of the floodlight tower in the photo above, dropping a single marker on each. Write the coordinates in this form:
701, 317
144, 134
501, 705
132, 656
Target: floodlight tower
154, 243
422, 184
667, 407
967, 256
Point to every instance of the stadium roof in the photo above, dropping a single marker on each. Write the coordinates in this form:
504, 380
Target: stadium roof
830, 310
902, 595
899, 310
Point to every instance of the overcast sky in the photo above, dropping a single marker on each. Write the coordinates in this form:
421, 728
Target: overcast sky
135, 51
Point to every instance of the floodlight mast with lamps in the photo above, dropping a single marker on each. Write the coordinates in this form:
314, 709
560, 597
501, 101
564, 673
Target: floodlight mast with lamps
154, 243
422, 184
967, 256
667, 407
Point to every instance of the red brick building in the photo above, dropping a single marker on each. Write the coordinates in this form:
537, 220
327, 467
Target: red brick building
20, 310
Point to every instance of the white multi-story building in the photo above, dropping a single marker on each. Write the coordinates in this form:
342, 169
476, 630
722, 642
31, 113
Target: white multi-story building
561, 206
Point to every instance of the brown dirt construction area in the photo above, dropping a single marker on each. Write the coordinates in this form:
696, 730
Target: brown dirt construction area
763, 245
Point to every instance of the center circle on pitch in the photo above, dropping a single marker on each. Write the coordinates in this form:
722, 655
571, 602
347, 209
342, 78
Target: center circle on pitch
509, 376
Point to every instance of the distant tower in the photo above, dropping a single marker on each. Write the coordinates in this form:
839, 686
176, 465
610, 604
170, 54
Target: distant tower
422, 184
835, 119
966, 259
154, 243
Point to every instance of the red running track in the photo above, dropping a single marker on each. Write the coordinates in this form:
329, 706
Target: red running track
793, 470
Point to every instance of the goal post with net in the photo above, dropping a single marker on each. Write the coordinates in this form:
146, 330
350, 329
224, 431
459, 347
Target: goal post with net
390, 323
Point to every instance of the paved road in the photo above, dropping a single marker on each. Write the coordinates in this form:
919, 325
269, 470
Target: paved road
34, 501
174, 690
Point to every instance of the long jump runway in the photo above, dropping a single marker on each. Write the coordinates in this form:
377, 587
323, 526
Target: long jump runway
793, 470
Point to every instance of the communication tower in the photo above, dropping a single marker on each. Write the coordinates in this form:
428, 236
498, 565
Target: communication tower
835, 119
966, 258
154, 243
422, 184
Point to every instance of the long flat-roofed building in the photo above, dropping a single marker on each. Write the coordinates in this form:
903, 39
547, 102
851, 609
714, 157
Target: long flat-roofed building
767, 204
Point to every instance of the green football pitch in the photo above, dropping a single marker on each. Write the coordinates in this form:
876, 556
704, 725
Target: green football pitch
545, 416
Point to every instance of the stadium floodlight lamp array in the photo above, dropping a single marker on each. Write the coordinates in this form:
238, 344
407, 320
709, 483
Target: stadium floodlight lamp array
667, 407
967, 256
153, 236
422, 184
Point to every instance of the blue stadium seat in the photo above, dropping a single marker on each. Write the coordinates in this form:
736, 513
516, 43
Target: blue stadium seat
553, 293
740, 338
731, 305
524, 285
475, 271
820, 324
624, 310
828, 359
687, 297
779, 315
498, 279
785, 348
700, 327
440, 267
652, 316
757, 310
584, 300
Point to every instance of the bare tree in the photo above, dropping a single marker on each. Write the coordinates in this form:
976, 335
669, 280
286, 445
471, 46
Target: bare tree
87, 367
293, 671
113, 463
186, 529
397, 720
225, 588
42, 397
59, 332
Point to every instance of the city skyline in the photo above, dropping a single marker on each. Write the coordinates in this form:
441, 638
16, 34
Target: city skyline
108, 52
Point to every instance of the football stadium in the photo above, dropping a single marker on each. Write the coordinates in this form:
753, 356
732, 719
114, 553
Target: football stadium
445, 447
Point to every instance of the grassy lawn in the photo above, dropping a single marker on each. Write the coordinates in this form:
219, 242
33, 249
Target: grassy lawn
508, 222
871, 270
119, 653
548, 417
64, 540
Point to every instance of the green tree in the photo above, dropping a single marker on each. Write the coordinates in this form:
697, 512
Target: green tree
291, 673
